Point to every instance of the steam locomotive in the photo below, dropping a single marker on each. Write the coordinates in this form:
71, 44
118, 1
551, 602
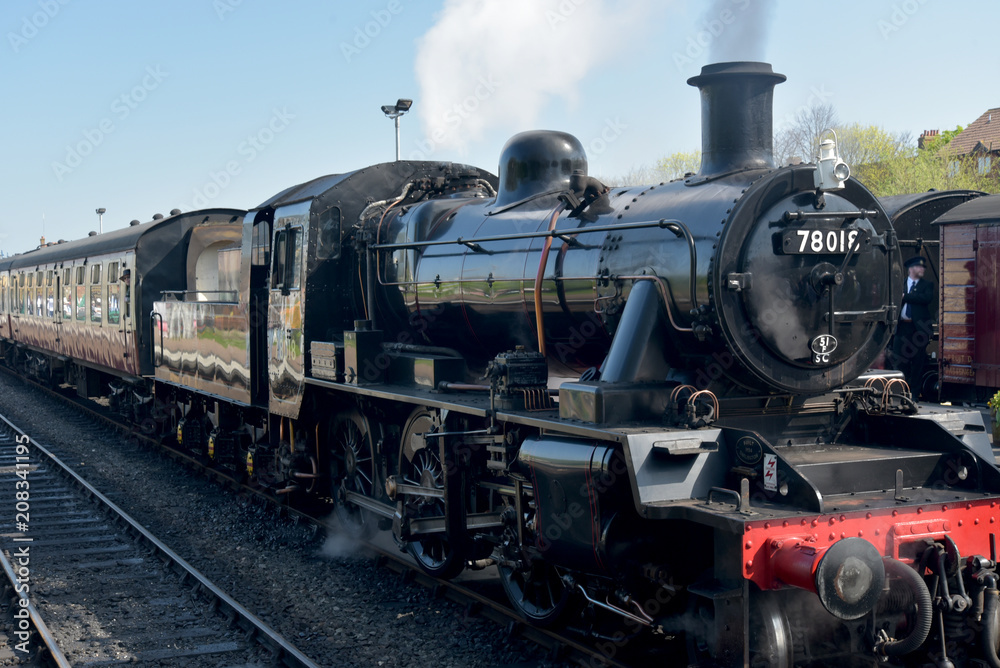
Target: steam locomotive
647, 404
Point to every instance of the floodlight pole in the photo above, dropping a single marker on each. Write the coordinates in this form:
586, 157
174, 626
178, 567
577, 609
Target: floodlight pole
395, 120
100, 219
394, 111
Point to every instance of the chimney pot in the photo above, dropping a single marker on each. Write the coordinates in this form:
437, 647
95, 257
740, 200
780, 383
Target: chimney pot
736, 116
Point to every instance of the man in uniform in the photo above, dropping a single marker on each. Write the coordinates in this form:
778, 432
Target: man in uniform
915, 322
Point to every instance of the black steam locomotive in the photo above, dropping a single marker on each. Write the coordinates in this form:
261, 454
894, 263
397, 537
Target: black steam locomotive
648, 404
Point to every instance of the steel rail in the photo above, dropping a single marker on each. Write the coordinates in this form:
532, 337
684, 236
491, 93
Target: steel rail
37, 621
267, 636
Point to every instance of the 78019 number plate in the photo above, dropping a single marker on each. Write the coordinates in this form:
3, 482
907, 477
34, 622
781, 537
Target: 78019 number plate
814, 241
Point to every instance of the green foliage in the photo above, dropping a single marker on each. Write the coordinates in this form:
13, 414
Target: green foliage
666, 169
869, 144
643, 175
994, 405
677, 165
931, 167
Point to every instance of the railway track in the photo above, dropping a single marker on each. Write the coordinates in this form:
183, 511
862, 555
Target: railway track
471, 593
93, 587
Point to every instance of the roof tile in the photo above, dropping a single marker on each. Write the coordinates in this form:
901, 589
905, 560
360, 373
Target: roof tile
984, 130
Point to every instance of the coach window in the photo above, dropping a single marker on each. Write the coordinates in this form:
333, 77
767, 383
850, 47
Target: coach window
114, 292
261, 245
127, 284
95, 293
81, 293
30, 294
67, 294
39, 295
50, 302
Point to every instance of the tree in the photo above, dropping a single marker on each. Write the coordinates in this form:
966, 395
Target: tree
870, 144
799, 136
635, 176
931, 167
679, 164
672, 167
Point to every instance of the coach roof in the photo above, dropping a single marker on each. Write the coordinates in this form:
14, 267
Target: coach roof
981, 210
109, 242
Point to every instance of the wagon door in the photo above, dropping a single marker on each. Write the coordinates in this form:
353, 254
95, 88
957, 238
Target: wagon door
987, 315
286, 357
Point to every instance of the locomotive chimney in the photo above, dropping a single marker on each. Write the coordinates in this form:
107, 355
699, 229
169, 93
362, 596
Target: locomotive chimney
736, 116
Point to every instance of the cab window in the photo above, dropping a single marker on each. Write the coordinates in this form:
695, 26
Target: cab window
287, 259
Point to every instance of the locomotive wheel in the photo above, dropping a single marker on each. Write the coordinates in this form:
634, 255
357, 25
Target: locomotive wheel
770, 633
537, 593
352, 467
436, 554
770, 636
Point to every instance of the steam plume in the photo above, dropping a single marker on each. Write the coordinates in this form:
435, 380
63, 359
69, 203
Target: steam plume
745, 33
497, 64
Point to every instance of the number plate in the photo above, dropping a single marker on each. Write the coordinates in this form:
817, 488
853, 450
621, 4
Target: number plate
814, 241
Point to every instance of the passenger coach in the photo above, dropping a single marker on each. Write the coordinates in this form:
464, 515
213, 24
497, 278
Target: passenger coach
77, 312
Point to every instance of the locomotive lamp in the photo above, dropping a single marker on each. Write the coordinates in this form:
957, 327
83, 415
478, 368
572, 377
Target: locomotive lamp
394, 111
831, 171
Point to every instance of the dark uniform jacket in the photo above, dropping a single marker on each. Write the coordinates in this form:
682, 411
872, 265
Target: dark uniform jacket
919, 300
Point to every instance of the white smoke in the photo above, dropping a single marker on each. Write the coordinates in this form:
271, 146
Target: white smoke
743, 28
485, 65
338, 546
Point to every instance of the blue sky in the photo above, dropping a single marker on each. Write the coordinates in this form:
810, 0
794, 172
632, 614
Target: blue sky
141, 107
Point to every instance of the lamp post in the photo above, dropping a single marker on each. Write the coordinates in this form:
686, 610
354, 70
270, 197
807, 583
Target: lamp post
394, 111
100, 218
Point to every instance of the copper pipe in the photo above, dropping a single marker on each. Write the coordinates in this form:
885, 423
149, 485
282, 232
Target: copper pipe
542, 261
